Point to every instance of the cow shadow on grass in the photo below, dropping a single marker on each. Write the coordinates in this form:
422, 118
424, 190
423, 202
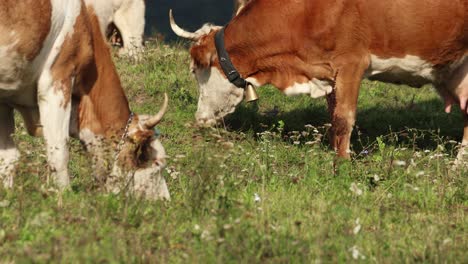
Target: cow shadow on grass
424, 124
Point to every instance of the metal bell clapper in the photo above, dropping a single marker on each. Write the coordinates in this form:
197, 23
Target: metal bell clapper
250, 93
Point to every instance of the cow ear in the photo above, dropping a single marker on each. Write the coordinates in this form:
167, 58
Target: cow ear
202, 55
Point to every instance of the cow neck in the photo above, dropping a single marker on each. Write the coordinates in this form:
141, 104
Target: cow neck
108, 101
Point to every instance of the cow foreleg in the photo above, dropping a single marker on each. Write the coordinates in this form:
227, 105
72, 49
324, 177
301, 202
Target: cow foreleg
342, 104
130, 20
9, 155
54, 99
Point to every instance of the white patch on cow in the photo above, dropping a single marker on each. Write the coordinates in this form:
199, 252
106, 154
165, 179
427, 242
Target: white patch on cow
91, 141
55, 120
9, 155
150, 181
218, 97
410, 70
253, 81
314, 88
8, 159
128, 16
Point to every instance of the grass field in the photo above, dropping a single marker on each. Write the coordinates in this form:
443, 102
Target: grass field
260, 188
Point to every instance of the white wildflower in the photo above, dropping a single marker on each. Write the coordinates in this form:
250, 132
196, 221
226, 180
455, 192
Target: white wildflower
399, 163
356, 254
257, 198
205, 235
376, 178
4, 203
420, 173
357, 227
355, 189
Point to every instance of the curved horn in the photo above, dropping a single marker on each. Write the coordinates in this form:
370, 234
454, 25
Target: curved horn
154, 120
181, 32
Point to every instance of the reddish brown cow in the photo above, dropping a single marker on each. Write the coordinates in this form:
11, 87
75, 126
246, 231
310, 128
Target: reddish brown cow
325, 48
57, 71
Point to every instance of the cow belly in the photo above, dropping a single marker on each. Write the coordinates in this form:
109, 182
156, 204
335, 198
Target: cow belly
12, 69
315, 88
410, 70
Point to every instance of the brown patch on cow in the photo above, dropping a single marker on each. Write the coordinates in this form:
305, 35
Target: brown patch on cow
75, 55
29, 32
103, 107
204, 54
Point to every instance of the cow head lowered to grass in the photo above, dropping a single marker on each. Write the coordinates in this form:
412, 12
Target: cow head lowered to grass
325, 48
57, 71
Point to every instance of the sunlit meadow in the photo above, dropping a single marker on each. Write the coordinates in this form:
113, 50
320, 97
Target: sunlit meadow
261, 187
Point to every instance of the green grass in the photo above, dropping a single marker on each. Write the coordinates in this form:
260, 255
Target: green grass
397, 201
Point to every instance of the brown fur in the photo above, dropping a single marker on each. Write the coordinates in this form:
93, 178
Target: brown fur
31, 31
103, 106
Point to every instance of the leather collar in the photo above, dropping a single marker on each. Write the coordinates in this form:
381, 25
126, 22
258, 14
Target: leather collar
226, 64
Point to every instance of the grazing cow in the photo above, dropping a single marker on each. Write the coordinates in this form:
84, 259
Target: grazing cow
56, 70
128, 16
326, 48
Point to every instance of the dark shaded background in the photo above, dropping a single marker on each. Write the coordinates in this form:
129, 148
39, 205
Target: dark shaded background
189, 14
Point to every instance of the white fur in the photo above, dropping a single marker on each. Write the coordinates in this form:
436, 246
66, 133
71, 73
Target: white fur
9, 155
149, 181
218, 97
410, 70
128, 16
314, 88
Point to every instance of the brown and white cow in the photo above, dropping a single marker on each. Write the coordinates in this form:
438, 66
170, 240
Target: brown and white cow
128, 16
56, 70
326, 48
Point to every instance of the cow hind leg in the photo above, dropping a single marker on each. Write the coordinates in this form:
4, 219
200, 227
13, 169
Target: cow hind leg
342, 104
9, 155
54, 101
